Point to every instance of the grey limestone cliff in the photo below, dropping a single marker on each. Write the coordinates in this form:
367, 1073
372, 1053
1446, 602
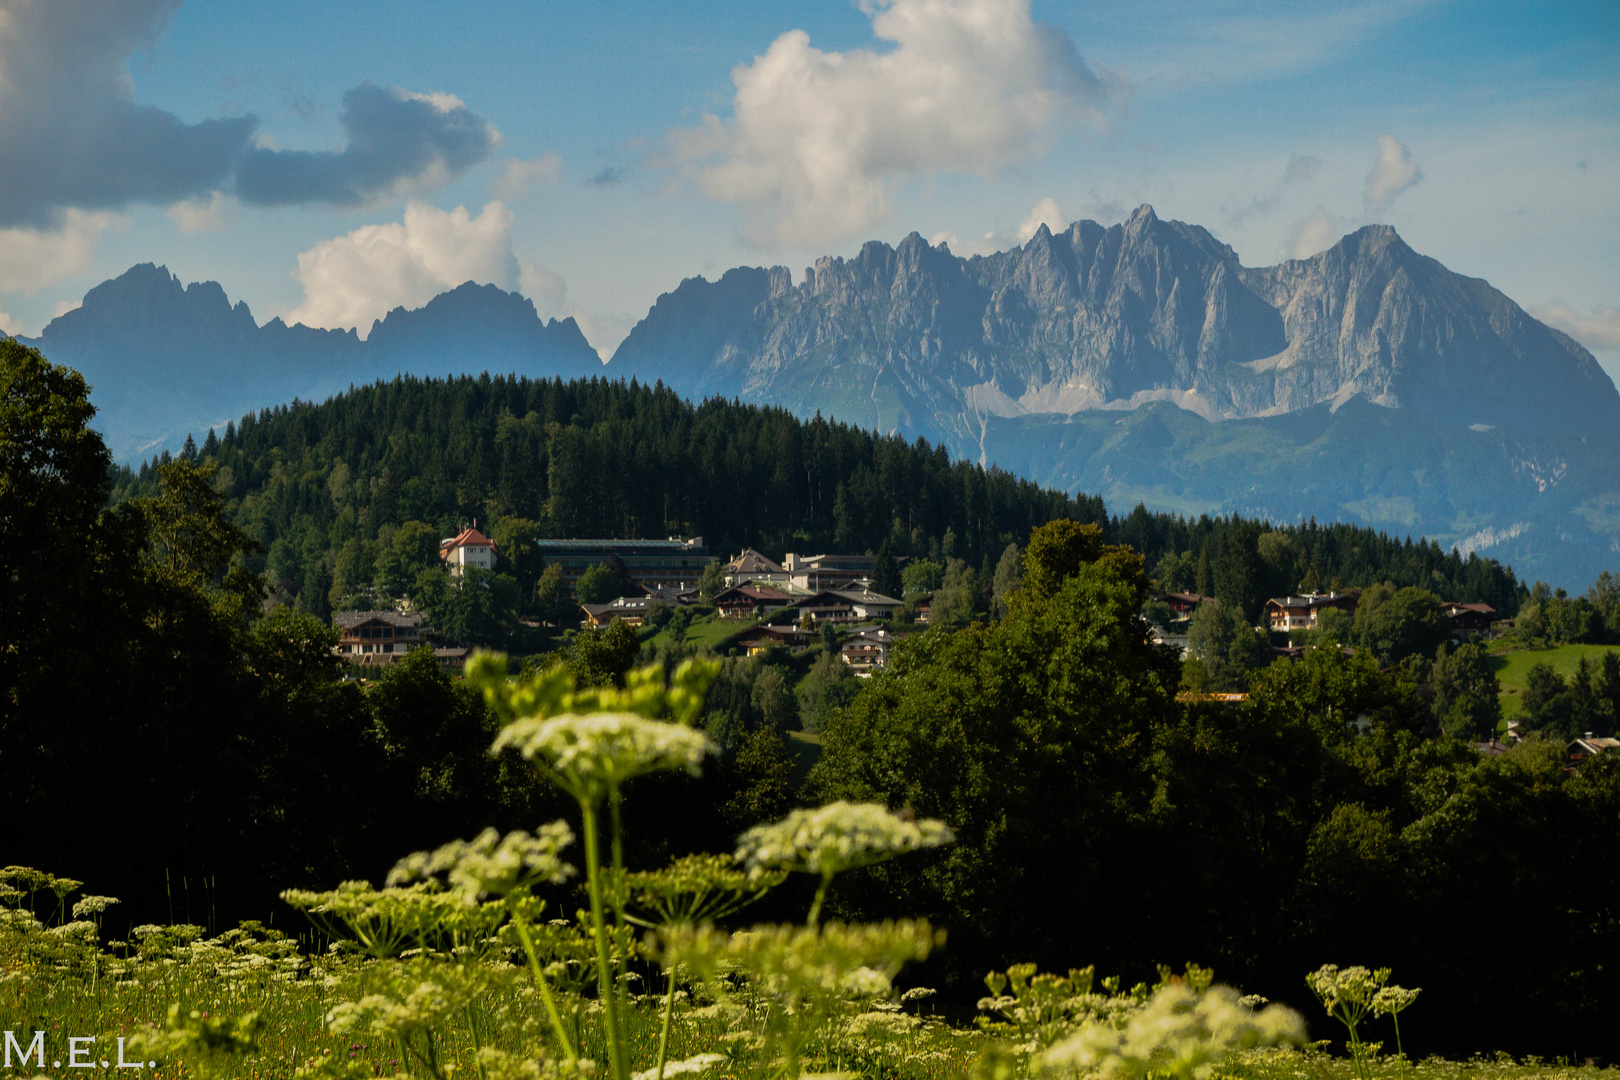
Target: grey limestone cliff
914, 338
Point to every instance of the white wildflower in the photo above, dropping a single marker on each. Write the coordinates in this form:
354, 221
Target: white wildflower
836, 837
1393, 999
697, 1064
93, 905
592, 755
491, 864
1178, 1033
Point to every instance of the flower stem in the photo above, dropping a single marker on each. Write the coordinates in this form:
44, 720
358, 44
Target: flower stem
545, 990
604, 965
821, 895
669, 1012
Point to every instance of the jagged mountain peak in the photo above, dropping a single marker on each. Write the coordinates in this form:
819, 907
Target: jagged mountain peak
1115, 316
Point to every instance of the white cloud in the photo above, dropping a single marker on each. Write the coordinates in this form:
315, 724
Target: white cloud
33, 258
1393, 173
519, 176
548, 290
1314, 234
1599, 330
351, 280
8, 325
199, 215
65, 306
816, 138
1046, 213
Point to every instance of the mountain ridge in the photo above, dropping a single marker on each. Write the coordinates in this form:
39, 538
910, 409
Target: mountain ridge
164, 358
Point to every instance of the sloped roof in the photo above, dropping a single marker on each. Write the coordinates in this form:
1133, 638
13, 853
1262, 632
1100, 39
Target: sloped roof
752, 592
348, 620
468, 537
752, 562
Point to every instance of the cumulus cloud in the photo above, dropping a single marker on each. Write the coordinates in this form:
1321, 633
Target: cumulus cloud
351, 280
1046, 213
73, 137
199, 215
816, 139
1598, 331
398, 143
8, 325
1394, 173
33, 258
547, 289
518, 177
1313, 234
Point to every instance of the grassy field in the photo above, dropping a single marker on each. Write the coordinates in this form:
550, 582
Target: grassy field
1513, 668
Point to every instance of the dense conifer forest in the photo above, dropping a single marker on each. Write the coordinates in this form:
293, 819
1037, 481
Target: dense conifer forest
323, 488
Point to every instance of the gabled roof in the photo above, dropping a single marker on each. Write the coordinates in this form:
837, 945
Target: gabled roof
468, 537
753, 592
856, 596
1450, 606
1312, 601
752, 562
619, 604
348, 620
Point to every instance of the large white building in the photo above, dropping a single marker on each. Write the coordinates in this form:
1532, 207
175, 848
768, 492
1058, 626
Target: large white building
469, 548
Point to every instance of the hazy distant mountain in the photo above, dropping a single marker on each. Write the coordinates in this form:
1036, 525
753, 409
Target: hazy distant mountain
165, 359
916, 338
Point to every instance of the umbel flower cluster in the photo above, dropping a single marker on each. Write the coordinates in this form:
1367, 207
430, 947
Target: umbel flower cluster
455, 951
837, 837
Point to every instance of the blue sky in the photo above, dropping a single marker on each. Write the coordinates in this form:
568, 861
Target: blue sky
311, 157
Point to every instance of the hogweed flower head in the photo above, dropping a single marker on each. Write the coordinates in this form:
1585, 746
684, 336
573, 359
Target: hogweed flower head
491, 864
93, 905
836, 837
592, 755
1179, 1032
1393, 1000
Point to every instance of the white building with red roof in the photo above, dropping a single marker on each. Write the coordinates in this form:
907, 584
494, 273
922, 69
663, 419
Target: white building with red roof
468, 548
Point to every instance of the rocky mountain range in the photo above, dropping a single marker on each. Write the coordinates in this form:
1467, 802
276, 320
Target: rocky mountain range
915, 338
165, 360
1141, 361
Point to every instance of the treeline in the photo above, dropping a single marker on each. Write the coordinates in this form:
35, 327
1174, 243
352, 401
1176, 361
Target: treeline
326, 490
1245, 562
322, 487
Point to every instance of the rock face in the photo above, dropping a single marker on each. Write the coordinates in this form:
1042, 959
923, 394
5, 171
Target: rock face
165, 359
914, 338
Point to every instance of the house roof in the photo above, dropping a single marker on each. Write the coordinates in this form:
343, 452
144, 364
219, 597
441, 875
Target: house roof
752, 592
1452, 606
1594, 745
619, 604
468, 537
1311, 601
752, 562
856, 596
348, 620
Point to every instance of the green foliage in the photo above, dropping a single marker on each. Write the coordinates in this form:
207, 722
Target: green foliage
712, 581
959, 599
922, 576
1466, 702
1397, 623
830, 686
1229, 649
554, 601
603, 656
886, 580
1009, 575
597, 585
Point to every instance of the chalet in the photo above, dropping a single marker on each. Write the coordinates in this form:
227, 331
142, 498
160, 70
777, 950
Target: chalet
752, 566
452, 658
377, 637
814, 573
1301, 612
1468, 617
1182, 603
846, 606
758, 640
923, 605
750, 601
632, 609
468, 548
1589, 745
867, 649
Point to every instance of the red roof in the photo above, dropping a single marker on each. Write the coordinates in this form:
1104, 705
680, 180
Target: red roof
469, 537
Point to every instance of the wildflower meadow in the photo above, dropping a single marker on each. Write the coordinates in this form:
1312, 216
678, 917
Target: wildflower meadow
542, 954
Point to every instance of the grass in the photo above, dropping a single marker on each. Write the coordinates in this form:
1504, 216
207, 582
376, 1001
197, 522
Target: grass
1513, 668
